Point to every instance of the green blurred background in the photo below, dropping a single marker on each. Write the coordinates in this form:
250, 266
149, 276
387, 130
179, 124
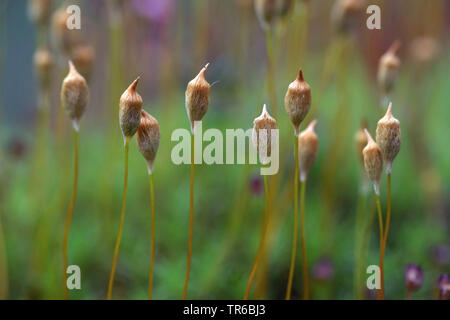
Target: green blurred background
166, 42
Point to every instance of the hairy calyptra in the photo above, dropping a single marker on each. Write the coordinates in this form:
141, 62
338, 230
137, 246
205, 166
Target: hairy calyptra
74, 95
262, 134
389, 137
297, 101
197, 97
270, 11
39, 11
147, 138
44, 63
373, 162
83, 58
308, 146
388, 68
361, 142
130, 106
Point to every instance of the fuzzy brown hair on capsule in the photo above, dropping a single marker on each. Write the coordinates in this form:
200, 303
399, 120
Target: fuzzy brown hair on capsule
297, 101
389, 137
388, 68
147, 138
130, 106
308, 146
197, 97
269, 12
74, 95
373, 162
44, 63
64, 39
361, 141
345, 13
262, 134
39, 11
83, 58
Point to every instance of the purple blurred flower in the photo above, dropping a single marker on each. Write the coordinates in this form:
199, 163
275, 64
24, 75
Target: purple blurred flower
256, 185
440, 255
413, 277
444, 287
323, 269
153, 10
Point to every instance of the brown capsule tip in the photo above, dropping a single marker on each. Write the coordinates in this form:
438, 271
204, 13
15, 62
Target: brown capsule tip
133, 86
389, 111
300, 76
72, 69
312, 125
395, 47
369, 137
203, 71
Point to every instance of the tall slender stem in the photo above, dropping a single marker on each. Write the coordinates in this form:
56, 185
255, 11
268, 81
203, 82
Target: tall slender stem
361, 232
302, 231
152, 246
388, 215
380, 221
271, 71
4, 283
263, 239
295, 235
69, 215
122, 217
191, 220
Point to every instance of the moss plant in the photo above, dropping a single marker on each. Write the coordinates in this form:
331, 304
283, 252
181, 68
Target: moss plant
373, 164
262, 241
263, 127
297, 104
361, 217
389, 139
129, 117
308, 146
74, 98
147, 139
197, 103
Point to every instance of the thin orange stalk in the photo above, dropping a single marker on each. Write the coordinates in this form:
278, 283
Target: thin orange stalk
152, 248
388, 215
380, 220
261, 244
69, 216
295, 235
191, 221
302, 231
122, 217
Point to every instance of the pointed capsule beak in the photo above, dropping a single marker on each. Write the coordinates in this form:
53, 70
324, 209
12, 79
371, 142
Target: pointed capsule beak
300, 76
395, 47
389, 110
133, 86
369, 137
312, 125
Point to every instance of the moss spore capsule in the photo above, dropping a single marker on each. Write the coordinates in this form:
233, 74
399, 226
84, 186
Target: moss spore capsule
130, 106
308, 147
389, 137
373, 162
262, 134
147, 138
74, 95
197, 97
297, 101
